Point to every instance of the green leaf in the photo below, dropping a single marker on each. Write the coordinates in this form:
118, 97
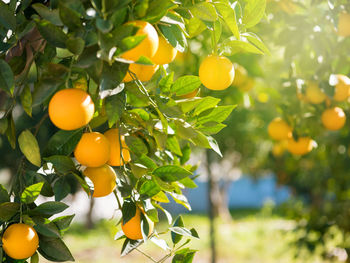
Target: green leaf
49, 208
44, 227
182, 231
204, 11
195, 26
69, 17
218, 114
254, 10
63, 142
173, 145
63, 223
150, 188
182, 200
136, 145
129, 245
148, 162
75, 45
29, 147
157, 9
112, 75
255, 40
206, 103
231, 47
128, 210
185, 85
34, 258
228, 14
166, 82
26, 100
161, 197
44, 89
171, 173
175, 237
210, 128
104, 25
188, 182
115, 105
3, 125
61, 188
174, 34
54, 249
184, 256
6, 77
186, 153
53, 34
11, 132
7, 18
31, 193
62, 164
46, 13
8, 210
4, 196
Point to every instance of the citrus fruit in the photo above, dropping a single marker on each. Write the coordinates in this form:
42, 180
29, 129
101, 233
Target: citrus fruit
190, 95
103, 178
71, 109
279, 148
333, 118
241, 75
132, 228
142, 72
247, 85
342, 88
20, 241
148, 46
165, 54
314, 94
344, 25
216, 72
278, 129
301, 146
115, 158
93, 149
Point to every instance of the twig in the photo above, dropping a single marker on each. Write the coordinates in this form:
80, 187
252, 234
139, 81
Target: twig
146, 255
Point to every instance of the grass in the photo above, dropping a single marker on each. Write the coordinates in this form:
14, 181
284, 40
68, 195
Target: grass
252, 237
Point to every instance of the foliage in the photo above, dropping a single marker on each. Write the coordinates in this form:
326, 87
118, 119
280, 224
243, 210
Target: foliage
52, 45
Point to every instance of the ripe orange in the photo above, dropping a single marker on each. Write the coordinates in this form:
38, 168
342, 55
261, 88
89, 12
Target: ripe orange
279, 148
142, 72
132, 228
20, 241
314, 94
71, 109
165, 54
241, 75
148, 46
216, 72
247, 85
301, 146
344, 25
103, 178
93, 149
342, 88
115, 158
278, 129
333, 118
190, 95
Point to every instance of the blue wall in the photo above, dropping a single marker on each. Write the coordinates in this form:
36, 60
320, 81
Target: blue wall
243, 193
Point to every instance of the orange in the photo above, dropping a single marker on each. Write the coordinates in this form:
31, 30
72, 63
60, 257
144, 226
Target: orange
278, 129
314, 94
165, 54
301, 146
247, 85
132, 228
342, 88
103, 178
279, 148
216, 72
142, 72
71, 109
344, 25
333, 118
190, 95
148, 46
115, 158
93, 149
241, 75
20, 241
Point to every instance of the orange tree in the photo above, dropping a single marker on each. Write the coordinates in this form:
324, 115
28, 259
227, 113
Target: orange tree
312, 100
114, 121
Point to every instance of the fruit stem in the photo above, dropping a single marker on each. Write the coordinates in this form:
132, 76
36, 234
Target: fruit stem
214, 42
116, 196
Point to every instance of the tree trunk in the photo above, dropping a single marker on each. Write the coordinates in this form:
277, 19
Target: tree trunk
223, 204
89, 220
211, 210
